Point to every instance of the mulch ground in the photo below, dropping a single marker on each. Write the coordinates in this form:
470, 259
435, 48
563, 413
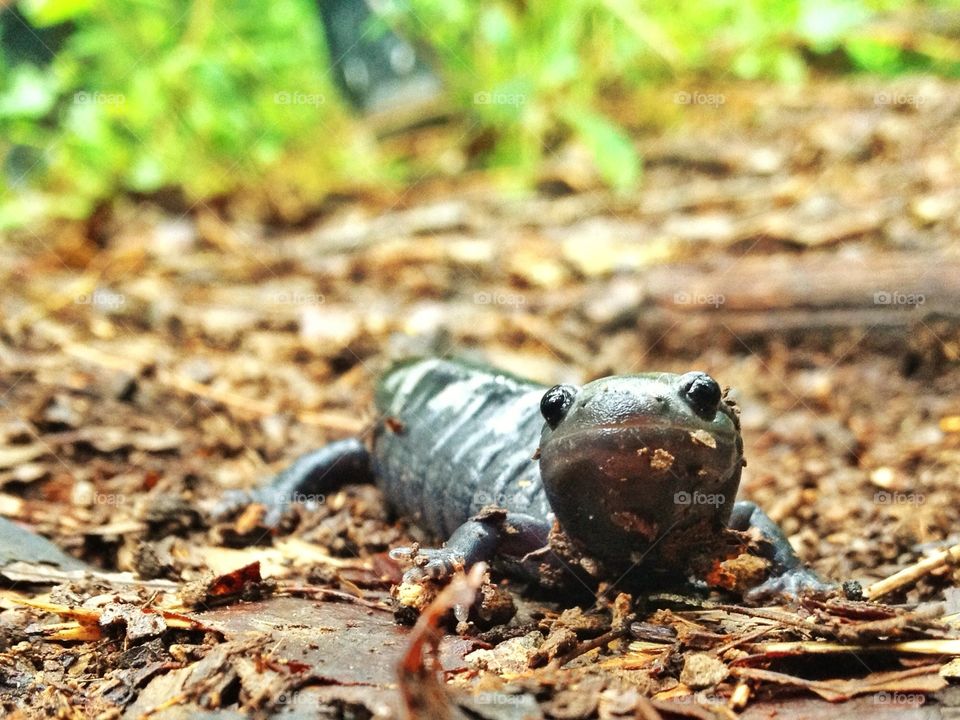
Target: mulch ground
799, 245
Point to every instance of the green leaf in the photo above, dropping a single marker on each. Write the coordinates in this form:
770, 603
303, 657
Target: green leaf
874, 56
31, 93
613, 151
51, 12
146, 174
496, 27
823, 23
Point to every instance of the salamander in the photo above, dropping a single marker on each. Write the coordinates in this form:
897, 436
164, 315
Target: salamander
637, 472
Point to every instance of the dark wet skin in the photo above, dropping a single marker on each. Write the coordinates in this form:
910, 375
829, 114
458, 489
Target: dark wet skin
638, 470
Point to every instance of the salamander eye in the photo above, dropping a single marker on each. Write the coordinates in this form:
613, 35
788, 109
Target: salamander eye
555, 403
701, 391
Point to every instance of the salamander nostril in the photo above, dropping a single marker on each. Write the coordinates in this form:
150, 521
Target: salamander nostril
701, 391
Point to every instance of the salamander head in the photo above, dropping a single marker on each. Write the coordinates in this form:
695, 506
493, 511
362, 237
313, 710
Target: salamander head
630, 459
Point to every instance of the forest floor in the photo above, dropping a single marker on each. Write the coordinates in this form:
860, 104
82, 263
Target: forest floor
800, 245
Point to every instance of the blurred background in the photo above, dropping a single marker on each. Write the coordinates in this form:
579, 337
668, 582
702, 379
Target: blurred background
222, 220
201, 100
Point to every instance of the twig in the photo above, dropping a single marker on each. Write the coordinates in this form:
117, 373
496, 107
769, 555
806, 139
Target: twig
309, 591
919, 679
916, 647
914, 572
583, 648
720, 650
779, 617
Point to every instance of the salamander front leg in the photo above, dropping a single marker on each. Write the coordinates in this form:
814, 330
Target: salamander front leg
789, 578
492, 532
308, 478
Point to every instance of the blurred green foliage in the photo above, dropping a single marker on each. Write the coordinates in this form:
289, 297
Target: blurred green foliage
203, 96
211, 96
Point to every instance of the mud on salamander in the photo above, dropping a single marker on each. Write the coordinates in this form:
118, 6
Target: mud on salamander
638, 472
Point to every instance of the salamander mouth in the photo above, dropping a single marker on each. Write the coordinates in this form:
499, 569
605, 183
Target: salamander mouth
651, 425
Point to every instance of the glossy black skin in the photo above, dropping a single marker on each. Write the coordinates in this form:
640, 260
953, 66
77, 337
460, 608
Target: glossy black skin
633, 460
454, 439
627, 465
